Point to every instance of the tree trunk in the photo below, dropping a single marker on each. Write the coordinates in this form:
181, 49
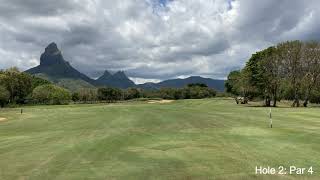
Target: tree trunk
296, 103
268, 102
305, 103
275, 97
237, 101
274, 101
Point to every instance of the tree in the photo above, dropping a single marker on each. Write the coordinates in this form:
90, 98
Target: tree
150, 93
245, 88
18, 84
292, 56
132, 93
311, 67
168, 93
197, 84
88, 95
231, 83
315, 96
51, 94
198, 91
75, 97
4, 96
36, 81
109, 94
238, 83
290, 70
262, 75
270, 74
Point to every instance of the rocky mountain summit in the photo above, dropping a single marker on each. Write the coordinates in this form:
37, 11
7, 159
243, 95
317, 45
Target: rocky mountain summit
55, 68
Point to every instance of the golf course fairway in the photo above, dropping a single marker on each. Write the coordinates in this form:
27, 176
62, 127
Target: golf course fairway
185, 139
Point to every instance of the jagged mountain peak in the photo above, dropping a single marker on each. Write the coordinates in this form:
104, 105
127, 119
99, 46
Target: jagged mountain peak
104, 76
120, 74
52, 48
52, 56
55, 68
106, 72
118, 79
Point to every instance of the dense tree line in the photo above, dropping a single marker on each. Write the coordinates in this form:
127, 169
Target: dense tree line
21, 88
289, 70
192, 91
16, 87
85, 95
109, 94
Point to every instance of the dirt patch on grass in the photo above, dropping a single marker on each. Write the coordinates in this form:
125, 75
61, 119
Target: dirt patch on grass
3, 119
160, 101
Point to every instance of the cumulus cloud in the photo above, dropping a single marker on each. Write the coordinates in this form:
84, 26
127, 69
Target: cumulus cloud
152, 39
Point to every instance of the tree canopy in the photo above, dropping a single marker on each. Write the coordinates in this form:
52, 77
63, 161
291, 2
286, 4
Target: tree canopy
289, 70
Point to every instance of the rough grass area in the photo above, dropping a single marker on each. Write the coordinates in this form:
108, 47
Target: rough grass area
188, 139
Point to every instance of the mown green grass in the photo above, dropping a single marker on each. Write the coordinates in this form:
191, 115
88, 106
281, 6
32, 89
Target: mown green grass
189, 139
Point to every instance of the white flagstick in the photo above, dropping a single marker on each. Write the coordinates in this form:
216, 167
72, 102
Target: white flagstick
270, 116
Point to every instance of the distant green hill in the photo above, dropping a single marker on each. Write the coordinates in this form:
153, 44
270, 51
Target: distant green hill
68, 83
179, 83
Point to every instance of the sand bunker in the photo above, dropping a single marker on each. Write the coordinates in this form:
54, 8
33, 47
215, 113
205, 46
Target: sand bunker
3, 119
159, 101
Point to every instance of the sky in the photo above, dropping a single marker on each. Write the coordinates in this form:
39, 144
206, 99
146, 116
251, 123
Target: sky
152, 40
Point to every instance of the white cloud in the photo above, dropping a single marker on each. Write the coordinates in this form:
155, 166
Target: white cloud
149, 40
142, 80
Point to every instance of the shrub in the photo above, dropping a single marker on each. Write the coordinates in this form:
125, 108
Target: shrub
51, 94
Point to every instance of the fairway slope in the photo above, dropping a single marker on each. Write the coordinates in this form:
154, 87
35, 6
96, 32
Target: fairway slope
185, 139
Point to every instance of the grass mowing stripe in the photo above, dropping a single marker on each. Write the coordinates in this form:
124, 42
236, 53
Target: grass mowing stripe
187, 139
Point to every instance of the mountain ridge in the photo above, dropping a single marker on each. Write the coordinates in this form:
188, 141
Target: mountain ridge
182, 82
118, 79
55, 68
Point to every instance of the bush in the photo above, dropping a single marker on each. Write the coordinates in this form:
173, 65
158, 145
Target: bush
51, 94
